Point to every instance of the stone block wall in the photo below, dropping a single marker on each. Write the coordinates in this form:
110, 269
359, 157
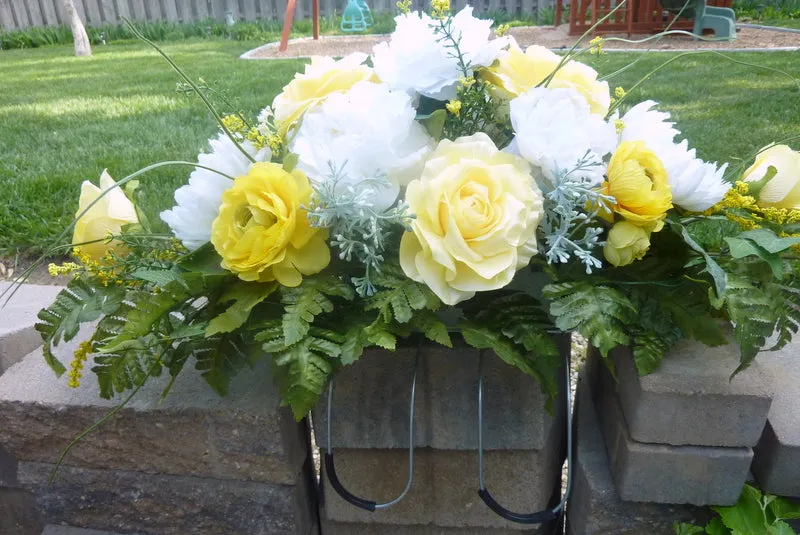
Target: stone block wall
524, 445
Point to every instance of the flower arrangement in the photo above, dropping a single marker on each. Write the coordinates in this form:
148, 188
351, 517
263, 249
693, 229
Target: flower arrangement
451, 181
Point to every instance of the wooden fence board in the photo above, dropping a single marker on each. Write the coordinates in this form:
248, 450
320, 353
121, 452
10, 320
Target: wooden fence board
153, 9
93, 15
137, 10
171, 8
202, 9
19, 14
6, 17
49, 13
123, 9
35, 13
249, 10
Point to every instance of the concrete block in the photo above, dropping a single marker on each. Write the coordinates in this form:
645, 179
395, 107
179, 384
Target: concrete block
691, 400
595, 508
445, 489
67, 530
337, 528
17, 318
698, 475
777, 457
18, 514
193, 432
122, 501
371, 402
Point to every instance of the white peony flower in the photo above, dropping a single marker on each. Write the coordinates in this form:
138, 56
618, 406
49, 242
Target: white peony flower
555, 129
198, 201
696, 185
418, 60
366, 132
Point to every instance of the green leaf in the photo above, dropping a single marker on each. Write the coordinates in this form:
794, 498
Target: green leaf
783, 509
741, 248
434, 123
203, 260
159, 277
753, 314
378, 333
687, 529
780, 528
398, 296
649, 349
432, 327
309, 300
600, 313
221, 357
767, 239
245, 296
716, 527
290, 161
712, 267
747, 516
80, 302
301, 374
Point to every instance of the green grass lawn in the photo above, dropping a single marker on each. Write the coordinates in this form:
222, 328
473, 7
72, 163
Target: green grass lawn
64, 119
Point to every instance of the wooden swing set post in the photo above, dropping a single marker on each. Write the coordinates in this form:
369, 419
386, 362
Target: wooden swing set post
289, 18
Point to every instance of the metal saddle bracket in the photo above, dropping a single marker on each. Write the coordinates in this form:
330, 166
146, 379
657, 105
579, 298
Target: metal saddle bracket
330, 468
539, 517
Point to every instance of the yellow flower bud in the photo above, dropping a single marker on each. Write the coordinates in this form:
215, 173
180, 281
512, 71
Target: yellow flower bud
626, 242
454, 107
783, 189
105, 218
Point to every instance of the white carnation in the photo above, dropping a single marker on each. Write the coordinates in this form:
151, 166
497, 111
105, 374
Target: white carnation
198, 202
555, 129
696, 185
364, 133
418, 60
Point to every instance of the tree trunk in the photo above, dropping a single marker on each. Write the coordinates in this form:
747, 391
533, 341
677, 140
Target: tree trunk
82, 46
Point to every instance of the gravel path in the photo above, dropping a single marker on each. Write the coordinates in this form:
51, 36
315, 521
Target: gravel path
548, 36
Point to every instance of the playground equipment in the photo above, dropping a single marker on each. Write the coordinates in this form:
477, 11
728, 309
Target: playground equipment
651, 16
357, 17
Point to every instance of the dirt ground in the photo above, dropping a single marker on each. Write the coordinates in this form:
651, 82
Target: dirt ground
549, 36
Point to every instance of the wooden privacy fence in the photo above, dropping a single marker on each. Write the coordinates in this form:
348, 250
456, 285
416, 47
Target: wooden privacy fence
19, 14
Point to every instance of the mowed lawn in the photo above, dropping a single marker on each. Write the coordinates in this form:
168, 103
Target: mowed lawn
64, 119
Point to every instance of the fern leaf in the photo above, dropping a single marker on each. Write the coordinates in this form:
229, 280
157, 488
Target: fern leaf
143, 309
650, 348
432, 327
398, 296
599, 313
121, 371
221, 357
78, 303
310, 299
788, 315
753, 314
245, 296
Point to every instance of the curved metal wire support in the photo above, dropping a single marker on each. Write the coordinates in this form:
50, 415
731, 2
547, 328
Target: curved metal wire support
525, 518
330, 468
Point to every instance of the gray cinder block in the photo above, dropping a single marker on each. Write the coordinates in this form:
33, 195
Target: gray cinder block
595, 507
17, 318
692, 400
698, 475
777, 457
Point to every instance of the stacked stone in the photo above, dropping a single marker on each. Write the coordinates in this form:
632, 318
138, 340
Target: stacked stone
670, 441
777, 457
524, 445
194, 463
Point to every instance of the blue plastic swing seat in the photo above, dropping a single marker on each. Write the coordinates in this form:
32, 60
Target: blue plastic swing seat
357, 16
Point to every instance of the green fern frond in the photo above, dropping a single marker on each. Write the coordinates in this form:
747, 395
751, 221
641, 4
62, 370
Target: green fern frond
121, 371
80, 302
788, 315
398, 296
309, 300
753, 314
221, 357
600, 313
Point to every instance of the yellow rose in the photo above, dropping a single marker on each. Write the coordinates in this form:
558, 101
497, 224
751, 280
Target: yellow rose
626, 242
262, 232
783, 189
107, 216
321, 78
637, 180
517, 72
477, 210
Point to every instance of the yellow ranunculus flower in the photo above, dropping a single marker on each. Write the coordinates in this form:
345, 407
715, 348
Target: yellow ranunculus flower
477, 210
626, 242
263, 233
636, 178
517, 72
321, 78
106, 216
783, 190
